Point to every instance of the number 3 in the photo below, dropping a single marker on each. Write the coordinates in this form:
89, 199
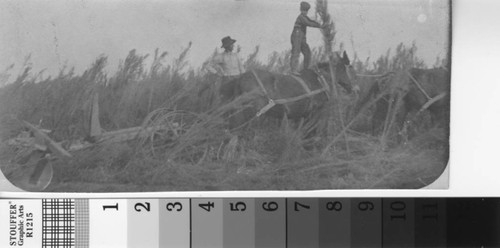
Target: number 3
172, 206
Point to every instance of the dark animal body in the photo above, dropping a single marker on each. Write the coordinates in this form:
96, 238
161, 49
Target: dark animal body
304, 100
416, 90
435, 82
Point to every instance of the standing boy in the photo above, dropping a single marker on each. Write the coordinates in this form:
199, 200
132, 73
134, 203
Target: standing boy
298, 38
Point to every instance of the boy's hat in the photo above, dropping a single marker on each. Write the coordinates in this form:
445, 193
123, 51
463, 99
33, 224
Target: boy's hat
305, 6
227, 41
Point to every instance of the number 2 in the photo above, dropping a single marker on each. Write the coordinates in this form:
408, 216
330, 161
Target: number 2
146, 206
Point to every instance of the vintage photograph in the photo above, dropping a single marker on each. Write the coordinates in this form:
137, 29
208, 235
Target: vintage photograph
223, 95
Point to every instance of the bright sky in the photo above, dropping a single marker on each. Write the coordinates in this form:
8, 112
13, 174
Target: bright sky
75, 32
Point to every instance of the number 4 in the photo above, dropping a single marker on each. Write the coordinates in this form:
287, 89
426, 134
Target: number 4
207, 206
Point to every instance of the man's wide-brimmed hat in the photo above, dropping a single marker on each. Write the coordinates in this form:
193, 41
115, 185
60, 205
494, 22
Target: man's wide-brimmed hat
227, 41
305, 6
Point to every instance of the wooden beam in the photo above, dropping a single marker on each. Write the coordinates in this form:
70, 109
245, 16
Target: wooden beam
53, 146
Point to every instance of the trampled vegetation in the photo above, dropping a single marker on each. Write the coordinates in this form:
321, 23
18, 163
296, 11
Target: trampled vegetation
267, 155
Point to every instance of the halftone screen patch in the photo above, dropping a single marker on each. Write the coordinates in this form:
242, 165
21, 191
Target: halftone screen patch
82, 223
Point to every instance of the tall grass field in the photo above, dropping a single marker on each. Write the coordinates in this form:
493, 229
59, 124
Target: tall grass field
267, 154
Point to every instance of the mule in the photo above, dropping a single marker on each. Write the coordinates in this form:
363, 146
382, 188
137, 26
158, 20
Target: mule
262, 87
419, 90
435, 82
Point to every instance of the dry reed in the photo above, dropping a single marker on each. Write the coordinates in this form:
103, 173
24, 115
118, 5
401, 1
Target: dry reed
204, 155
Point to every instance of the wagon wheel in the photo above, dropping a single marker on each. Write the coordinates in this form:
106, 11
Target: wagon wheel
34, 174
169, 133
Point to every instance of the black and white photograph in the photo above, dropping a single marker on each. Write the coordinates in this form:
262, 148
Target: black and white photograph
224, 95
